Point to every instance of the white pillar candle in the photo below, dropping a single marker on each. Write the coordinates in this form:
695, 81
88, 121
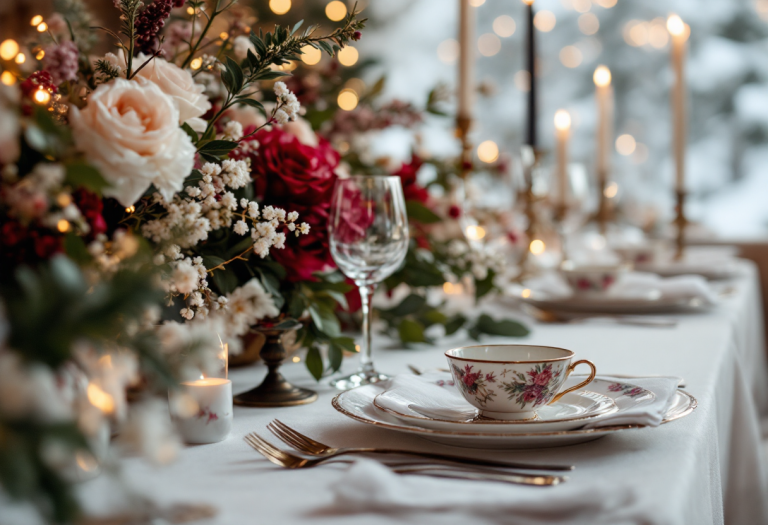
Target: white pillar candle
466, 59
202, 409
604, 99
562, 135
679, 32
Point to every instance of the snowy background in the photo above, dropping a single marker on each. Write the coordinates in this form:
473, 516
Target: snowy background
727, 70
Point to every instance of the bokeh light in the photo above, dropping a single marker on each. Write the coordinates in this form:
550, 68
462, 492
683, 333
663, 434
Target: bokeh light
7, 78
504, 26
488, 151
348, 56
571, 56
280, 7
9, 49
347, 100
488, 44
523, 80
311, 56
581, 6
625, 144
589, 24
545, 21
448, 51
336, 10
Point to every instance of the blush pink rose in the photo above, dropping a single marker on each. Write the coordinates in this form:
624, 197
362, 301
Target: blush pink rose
130, 132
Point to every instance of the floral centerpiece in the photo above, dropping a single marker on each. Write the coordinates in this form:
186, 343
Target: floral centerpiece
142, 215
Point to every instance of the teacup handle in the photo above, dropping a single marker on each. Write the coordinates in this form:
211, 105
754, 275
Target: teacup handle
580, 385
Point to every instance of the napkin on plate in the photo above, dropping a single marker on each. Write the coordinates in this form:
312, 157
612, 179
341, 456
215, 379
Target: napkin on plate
633, 284
371, 488
434, 396
649, 413
679, 287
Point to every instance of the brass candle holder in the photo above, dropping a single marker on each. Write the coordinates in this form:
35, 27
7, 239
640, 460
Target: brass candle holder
463, 126
531, 160
275, 390
681, 222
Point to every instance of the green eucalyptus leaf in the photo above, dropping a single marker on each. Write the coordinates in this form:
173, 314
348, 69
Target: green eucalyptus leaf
410, 305
191, 132
325, 319
82, 175
75, 248
411, 331
314, 362
504, 327
420, 213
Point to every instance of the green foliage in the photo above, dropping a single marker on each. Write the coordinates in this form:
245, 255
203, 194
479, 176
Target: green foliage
59, 298
82, 175
420, 213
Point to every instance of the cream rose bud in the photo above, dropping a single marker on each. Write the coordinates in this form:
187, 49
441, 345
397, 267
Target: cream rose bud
130, 132
179, 84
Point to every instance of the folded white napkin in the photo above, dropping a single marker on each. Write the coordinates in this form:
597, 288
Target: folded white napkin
369, 487
434, 395
431, 394
649, 413
632, 284
679, 287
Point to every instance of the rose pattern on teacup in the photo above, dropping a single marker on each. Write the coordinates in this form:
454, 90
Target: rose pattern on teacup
598, 283
627, 390
540, 385
474, 383
538, 388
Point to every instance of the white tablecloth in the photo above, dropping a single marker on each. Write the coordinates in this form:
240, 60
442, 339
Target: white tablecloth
705, 468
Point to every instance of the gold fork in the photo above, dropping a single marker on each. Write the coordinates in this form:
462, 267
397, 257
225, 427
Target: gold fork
291, 461
309, 446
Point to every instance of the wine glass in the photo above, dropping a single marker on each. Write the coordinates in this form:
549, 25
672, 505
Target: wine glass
368, 231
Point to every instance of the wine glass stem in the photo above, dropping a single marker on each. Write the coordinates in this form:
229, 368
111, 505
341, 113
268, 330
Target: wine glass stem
366, 297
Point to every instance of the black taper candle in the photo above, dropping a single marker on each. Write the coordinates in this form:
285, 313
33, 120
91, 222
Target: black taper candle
531, 138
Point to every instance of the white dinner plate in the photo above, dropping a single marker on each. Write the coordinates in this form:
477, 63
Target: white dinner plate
725, 269
650, 302
573, 410
358, 405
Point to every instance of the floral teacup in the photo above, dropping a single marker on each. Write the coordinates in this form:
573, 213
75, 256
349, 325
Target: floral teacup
511, 382
591, 279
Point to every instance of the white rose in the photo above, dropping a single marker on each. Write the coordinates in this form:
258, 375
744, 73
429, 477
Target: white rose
178, 84
130, 131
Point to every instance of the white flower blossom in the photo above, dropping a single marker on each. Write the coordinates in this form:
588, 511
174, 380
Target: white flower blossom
281, 117
281, 89
241, 228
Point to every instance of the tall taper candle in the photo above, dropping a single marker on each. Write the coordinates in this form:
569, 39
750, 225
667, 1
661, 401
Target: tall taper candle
604, 99
531, 133
679, 32
562, 134
466, 59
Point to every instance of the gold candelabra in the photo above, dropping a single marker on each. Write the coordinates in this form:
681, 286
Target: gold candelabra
463, 126
531, 159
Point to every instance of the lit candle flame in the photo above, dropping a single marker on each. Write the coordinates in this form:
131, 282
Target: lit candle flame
224, 356
602, 76
562, 120
675, 25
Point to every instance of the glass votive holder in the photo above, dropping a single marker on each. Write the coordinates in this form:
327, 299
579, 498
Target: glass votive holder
202, 409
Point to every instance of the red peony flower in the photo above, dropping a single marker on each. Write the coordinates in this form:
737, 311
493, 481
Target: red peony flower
91, 207
300, 178
408, 173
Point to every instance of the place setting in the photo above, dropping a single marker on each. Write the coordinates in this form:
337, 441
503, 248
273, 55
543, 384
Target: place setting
515, 396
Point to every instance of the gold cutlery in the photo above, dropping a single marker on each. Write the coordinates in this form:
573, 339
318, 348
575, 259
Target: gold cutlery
291, 461
307, 445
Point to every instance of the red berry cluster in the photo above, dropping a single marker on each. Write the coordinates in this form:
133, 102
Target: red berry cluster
150, 22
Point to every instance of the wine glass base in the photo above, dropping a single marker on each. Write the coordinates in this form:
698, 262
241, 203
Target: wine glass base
359, 378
